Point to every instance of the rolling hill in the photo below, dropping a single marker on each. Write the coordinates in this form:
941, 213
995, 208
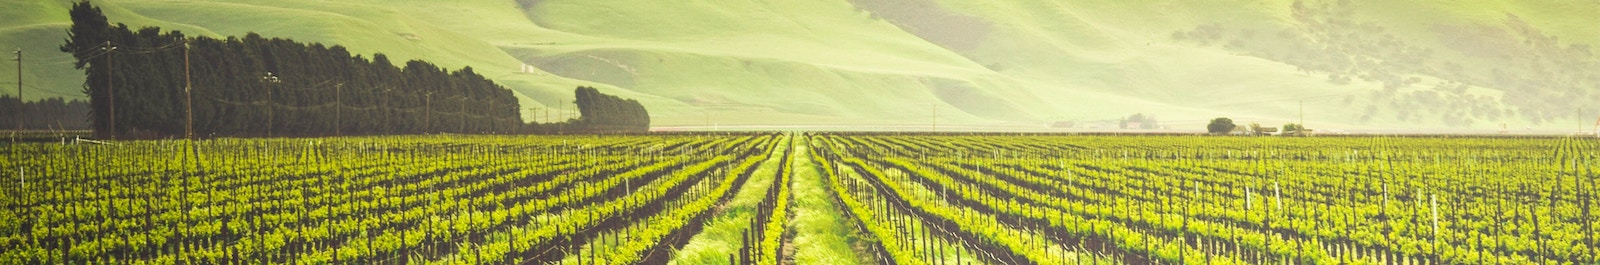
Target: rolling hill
1010, 64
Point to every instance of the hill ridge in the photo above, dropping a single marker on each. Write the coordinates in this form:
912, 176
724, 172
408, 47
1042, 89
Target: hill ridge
1010, 62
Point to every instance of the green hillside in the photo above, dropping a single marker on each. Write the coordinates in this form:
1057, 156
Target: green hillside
1013, 64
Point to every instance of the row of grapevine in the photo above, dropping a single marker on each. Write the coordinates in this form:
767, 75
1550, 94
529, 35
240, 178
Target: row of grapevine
1214, 200
358, 200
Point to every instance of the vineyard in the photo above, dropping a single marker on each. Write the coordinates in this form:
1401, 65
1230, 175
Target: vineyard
1218, 200
803, 198
395, 200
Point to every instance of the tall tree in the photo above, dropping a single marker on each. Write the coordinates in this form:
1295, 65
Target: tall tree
1220, 125
255, 86
87, 40
608, 113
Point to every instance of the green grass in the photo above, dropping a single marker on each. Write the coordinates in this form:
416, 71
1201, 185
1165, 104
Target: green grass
822, 235
721, 234
826, 62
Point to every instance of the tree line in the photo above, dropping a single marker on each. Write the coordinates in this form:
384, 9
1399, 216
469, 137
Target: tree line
45, 114
608, 113
1224, 125
136, 81
599, 113
255, 86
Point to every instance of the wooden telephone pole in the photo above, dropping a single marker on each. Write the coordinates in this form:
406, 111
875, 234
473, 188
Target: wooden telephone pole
387, 129
463, 128
188, 97
271, 80
20, 106
111, 90
427, 111
338, 110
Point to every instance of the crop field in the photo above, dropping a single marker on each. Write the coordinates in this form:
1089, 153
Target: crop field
462, 200
1211, 200
803, 198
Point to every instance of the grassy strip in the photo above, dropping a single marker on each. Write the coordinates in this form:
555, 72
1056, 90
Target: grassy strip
777, 221
721, 234
821, 235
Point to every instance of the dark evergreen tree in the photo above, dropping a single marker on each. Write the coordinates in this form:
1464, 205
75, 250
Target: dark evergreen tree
88, 40
45, 114
608, 113
256, 86
1220, 125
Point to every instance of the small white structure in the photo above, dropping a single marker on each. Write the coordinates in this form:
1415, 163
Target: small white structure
1240, 130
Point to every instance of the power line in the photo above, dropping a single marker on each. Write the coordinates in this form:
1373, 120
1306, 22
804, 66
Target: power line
35, 87
20, 84
87, 53
57, 57
1289, 99
1302, 103
134, 50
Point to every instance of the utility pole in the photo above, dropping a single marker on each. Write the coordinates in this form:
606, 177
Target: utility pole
271, 80
338, 109
111, 90
188, 96
463, 128
386, 128
427, 111
20, 106
1302, 127
935, 108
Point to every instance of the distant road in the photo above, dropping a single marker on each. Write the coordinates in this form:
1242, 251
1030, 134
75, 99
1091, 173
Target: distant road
1018, 128
999, 128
